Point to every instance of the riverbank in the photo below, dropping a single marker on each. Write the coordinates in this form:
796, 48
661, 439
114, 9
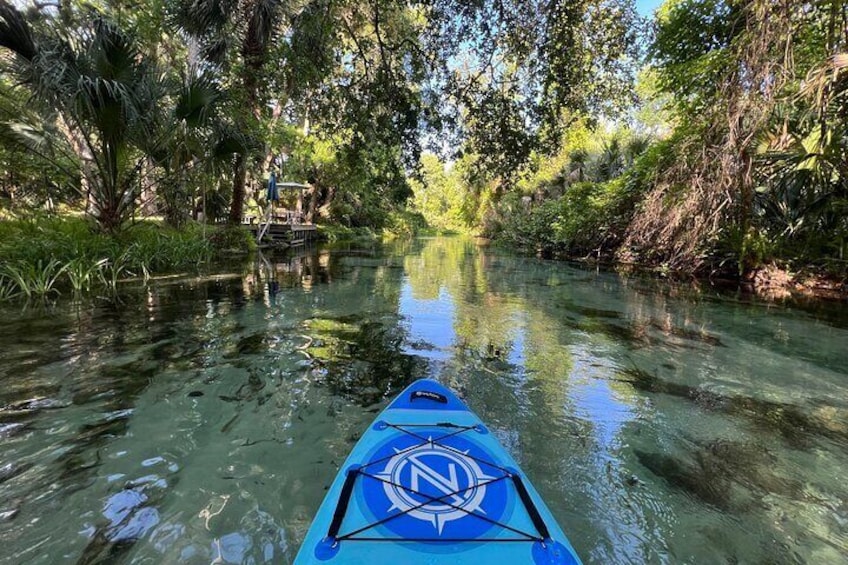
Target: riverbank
49, 255
770, 281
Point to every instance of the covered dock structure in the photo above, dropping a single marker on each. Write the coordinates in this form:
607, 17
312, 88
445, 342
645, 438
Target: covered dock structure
280, 225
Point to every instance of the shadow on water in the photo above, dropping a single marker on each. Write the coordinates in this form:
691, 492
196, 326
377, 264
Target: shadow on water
795, 426
636, 334
361, 358
731, 476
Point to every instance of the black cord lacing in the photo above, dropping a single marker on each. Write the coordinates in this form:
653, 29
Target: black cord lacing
411, 448
427, 441
507, 474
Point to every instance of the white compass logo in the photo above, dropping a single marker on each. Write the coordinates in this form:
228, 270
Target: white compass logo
430, 472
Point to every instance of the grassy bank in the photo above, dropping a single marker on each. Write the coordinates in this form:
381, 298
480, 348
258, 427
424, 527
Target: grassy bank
397, 224
336, 233
43, 256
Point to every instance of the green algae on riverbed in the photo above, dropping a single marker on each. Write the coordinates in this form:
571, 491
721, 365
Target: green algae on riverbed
201, 420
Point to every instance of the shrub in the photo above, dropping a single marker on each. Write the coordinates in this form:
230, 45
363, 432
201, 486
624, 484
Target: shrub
404, 223
589, 218
531, 230
234, 239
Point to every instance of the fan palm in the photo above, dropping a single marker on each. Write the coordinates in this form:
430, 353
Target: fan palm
35, 154
185, 133
806, 162
610, 163
105, 95
213, 23
578, 165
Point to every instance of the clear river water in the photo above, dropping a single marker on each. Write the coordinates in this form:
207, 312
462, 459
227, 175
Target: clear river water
199, 419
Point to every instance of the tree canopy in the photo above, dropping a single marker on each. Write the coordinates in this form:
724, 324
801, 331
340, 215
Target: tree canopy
719, 123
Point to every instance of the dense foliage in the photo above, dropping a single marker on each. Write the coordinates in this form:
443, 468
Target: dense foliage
733, 156
712, 136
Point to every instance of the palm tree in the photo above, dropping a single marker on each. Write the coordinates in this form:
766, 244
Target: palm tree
609, 164
186, 140
635, 147
118, 111
578, 164
805, 173
253, 22
100, 90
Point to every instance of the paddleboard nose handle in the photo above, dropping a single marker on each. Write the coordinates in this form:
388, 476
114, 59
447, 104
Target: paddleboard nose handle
428, 395
552, 552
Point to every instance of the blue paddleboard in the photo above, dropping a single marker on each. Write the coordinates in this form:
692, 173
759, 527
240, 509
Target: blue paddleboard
428, 483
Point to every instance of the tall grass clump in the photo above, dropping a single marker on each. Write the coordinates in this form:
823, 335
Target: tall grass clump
41, 254
36, 280
161, 249
82, 272
7, 289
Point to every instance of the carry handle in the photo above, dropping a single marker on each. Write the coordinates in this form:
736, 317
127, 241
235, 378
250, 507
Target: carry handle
429, 395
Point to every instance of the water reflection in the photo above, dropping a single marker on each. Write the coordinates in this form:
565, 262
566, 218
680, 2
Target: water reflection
201, 420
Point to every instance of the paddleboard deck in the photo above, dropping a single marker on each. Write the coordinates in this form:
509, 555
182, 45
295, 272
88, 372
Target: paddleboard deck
428, 483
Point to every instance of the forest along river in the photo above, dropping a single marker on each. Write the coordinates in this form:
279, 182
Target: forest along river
201, 419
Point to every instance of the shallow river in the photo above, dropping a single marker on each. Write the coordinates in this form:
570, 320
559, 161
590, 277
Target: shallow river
200, 419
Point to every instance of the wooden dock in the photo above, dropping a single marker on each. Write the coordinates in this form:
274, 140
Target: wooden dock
284, 233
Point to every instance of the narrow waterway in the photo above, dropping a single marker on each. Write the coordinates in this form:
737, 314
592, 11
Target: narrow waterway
200, 419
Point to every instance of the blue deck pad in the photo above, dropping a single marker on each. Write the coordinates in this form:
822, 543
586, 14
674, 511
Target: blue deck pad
437, 490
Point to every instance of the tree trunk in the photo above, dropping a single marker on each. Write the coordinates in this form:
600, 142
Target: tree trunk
108, 217
239, 178
82, 150
313, 202
148, 192
331, 194
254, 50
178, 203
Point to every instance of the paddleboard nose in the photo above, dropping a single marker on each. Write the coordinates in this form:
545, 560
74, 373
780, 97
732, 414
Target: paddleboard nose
427, 394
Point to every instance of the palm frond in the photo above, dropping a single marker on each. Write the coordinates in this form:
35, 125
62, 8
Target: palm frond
199, 17
263, 20
230, 141
15, 32
196, 100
